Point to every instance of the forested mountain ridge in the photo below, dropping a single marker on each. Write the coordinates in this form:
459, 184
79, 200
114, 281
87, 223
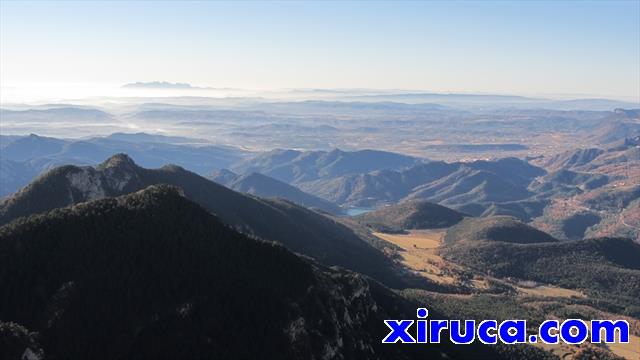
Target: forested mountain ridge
298, 228
179, 284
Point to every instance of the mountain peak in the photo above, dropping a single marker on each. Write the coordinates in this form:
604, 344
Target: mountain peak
120, 160
505, 229
159, 192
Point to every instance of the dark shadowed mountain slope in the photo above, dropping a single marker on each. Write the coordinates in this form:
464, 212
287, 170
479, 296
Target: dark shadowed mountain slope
418, 214
161, 278
300, 229
267, 187
15, 339
495, 229
293, 166
152, 275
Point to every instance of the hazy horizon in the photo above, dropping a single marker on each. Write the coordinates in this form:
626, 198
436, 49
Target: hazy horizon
531, 49
51, 93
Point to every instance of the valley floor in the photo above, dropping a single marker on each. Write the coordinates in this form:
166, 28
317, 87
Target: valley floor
420, 253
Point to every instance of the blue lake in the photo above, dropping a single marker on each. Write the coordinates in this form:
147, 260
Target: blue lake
358, 210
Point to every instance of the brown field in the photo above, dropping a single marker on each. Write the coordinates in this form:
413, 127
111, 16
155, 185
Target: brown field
420, 254
549, 291
629, 351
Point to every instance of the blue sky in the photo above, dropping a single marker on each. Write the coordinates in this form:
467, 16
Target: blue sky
534, 47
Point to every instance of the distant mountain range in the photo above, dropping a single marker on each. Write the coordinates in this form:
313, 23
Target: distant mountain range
295, 167
452, 184
507, 186
266, 187
554, 194
24, 157
496, 101
72, 114
157, 85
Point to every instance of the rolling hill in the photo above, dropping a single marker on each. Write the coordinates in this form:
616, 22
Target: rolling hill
410, 215
292, 166
495, 229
